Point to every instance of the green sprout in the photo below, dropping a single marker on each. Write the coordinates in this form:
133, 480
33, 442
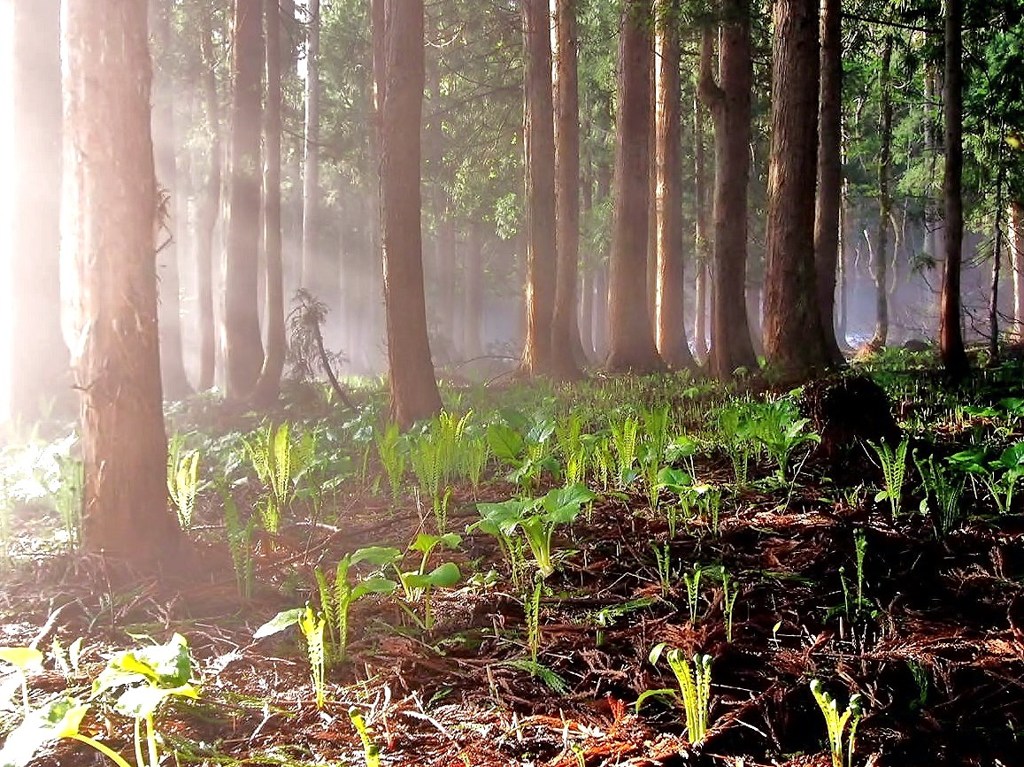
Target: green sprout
839, 726
694, 681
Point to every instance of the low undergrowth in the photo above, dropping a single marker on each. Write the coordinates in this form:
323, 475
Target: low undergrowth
632, 571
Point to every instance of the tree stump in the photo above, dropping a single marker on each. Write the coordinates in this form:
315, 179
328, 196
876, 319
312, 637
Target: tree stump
848, 411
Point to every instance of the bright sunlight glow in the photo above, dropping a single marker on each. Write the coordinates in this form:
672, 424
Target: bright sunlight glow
6, 158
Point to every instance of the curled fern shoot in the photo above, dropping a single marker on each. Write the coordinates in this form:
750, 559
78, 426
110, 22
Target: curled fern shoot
840, 727
694, 681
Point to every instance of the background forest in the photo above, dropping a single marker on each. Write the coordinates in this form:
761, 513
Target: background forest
474, 203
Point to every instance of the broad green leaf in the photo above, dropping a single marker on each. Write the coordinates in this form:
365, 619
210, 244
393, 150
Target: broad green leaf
376, 555
23, 658
563, 504
646, 695
139, 702
373, 586
58, 719
280, 622
505, 514
655, 655
505, 442
445, 576
675, 480
425, 542
1013, 456
168, 665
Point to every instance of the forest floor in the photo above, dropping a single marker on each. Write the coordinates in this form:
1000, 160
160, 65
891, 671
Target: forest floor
928, 628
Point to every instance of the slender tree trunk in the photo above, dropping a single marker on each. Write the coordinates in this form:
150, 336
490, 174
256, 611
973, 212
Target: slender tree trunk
843, 276
109, 233
209, 212
311, 153
541, 242
600, 316
881, 260
652, 184
269, 384
702, 235
473, 343
671, 320
39, 357
830, 172
586, 319
243, 344
997, 255
1016, 215
631, 337
951, 339
793, 336
729, 102
931, 151
172, 365
414, 394
565, 333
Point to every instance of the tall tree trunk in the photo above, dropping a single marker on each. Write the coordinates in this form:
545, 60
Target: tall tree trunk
652, 183
843, 273
881, 260
793, 337
702, 235
600, 316
997, 255
474, 293
565, 333
209, 212
311, 153
931, 222
539, 139
39, 357
586, 318
414, 394
1016, 215
631, 337
269, 384
951, 339
243, 345
729, 103
830, 171
111, 266
172, 365
671, 321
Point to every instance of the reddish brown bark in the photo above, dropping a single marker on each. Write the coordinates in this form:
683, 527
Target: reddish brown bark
670, 325
729, 102
565, 334
880, 267
793, 338
951, 339
631, 336
269, 384
539, 139
830, 172
702, 235
110, 181
414, 394
243, 344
